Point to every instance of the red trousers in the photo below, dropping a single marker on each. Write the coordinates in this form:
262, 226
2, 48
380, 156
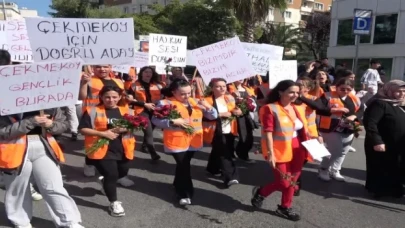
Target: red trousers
292, 169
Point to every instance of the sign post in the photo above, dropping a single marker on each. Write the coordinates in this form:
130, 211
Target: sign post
362, 22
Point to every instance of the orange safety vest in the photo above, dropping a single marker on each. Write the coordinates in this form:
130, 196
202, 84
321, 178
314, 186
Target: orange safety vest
335, 102
99, 122
209, 127
176, 139
140, 95
132, 75
310, 114
95, 86
13, 151
249, 91
283, 131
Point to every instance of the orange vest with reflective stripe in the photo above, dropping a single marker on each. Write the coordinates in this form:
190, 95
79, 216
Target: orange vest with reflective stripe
310, 114
140, 95
249, 91
132, 75
95, 86
99, 122
175, 139
283, 131
336, 102
12, 151
209, 127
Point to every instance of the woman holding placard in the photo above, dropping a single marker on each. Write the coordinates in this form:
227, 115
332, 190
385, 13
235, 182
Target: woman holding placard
26, 152
284, 127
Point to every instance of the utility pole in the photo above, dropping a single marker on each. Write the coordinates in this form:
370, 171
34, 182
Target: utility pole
4, 10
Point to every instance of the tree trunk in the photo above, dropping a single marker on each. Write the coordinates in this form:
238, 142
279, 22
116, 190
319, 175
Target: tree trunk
314, 53
248, 31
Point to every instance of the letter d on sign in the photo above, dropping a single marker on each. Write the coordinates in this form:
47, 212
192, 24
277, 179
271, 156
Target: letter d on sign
361, 23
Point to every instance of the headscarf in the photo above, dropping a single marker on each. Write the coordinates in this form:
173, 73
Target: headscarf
386, 93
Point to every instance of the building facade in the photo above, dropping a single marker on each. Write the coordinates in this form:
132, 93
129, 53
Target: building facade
386, 42
136, 6
14, 12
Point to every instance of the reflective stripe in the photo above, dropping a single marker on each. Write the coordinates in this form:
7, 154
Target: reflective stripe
282, 137
279, 128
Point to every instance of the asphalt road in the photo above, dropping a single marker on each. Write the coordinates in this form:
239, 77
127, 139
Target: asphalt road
151, 202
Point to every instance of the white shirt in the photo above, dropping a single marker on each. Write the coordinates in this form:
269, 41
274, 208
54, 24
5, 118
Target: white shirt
298, 125
226, 125
371, 78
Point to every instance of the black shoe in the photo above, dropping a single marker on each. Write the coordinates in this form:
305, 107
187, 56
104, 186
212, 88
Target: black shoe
74, 137
287, 213
257, 199
144, 149
155, 157
217, 174
297, 192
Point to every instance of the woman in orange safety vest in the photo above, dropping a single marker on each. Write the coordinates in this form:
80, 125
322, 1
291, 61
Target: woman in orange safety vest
221, 133
176, 141
335, 126
111, 160
28, 149
284, 127
90, 87
144, 94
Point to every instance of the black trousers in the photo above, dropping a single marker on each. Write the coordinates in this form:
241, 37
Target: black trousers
245, 139
182, 178
220, 160
111, 170
148, 144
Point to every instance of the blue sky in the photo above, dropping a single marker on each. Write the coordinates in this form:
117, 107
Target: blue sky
41, 5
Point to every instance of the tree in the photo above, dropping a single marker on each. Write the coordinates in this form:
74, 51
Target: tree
280, 34
198, 21
69, 8
318, 30
145, 24
251, 12
109, 12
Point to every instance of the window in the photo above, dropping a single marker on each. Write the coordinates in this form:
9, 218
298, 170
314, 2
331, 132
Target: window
330, 8
290, 1
134, 10
318, 6
385, 29
271, 11
345, 36
287, 14
126, 9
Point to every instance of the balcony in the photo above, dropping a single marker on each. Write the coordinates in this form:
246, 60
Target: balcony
309, 0
305, 10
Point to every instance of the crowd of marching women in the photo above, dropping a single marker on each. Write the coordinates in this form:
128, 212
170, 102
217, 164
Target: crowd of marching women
322, 104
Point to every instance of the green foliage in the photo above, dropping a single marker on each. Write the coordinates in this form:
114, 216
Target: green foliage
69, 8
145, 24
110, 12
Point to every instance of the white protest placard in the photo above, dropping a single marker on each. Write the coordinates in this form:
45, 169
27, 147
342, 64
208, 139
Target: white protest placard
141, 59
226, 59
14, 39
261, 54
316, 149
165, 47
280, 70
37, 86
121, 68
190, 60
95, 41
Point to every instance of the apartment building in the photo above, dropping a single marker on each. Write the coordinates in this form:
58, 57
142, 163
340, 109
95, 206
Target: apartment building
136, 6
298, 10
14, 12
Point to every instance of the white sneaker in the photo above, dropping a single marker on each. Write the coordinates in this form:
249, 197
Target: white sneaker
336, 175
352, 149
116, 209
232, 182
34, 194
76, 225
101, 183
27, 226
185, 201
323, 175
89, 170
126, 182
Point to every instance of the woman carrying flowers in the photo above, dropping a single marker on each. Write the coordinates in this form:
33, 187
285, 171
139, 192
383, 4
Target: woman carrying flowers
182, 131
109, 148
220, 133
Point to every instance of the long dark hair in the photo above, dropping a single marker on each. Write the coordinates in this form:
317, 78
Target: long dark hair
107, 89
174, 85
342, 74
274, 95
344, 81
155, 76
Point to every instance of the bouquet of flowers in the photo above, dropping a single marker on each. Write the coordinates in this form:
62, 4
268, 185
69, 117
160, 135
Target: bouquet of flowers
245, 105
357, 128
169, 112
129, 122
288, 177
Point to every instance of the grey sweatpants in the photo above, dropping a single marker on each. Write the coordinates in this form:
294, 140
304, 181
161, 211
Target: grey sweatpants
48, 178
338, 145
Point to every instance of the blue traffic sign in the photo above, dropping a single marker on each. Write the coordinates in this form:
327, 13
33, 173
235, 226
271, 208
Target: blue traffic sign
362, 22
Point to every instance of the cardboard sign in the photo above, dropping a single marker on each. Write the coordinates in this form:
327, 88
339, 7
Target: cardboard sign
14, 39
282, 70
165, 47
37, 86
226, 59
141, 59
95, 41
121, 68
261, 54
